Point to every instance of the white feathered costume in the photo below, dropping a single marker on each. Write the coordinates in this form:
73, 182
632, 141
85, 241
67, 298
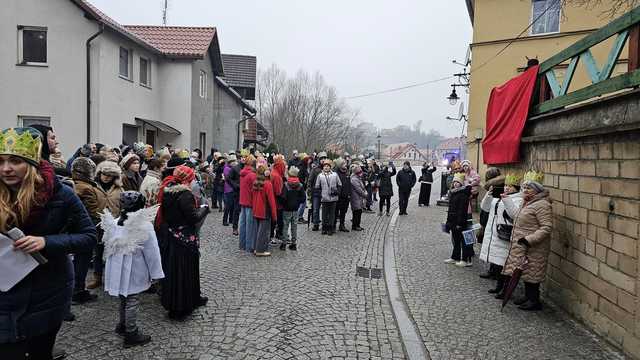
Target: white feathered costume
131, 252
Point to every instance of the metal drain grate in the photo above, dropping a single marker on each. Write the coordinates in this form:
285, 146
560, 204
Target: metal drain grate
368, 273
362, 272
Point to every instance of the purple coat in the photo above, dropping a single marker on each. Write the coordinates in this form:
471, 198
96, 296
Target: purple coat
227, 187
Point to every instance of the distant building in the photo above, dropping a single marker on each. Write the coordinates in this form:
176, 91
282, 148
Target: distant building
404, 152
451, 148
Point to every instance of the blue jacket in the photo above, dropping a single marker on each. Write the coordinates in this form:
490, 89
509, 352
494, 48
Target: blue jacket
37, 304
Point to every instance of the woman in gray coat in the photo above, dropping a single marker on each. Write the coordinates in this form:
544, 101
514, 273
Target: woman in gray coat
329, 185
358, 197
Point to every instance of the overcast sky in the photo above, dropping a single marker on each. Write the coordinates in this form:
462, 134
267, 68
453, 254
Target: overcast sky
360, 46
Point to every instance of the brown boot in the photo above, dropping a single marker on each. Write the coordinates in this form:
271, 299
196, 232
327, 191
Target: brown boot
96, 282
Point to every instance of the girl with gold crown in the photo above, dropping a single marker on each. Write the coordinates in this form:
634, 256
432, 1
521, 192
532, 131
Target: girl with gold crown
56, 224
531, 239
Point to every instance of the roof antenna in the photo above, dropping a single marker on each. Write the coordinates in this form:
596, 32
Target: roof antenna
164, 13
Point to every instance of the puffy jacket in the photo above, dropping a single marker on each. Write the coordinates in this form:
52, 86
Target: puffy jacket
247, 178
36, 305
405, 179
500, 212
534, 223
264, 202
457, 211
293, 194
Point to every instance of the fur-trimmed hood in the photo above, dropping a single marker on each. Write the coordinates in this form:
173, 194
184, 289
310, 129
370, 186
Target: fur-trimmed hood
174, 189
110, 168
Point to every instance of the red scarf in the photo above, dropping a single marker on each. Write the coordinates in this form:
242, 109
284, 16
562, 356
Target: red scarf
44, 193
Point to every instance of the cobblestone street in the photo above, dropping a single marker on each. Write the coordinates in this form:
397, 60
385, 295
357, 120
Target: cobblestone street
311, 304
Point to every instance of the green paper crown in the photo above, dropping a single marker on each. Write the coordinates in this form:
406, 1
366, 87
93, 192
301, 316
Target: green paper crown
534, 176
512, 180
23, 142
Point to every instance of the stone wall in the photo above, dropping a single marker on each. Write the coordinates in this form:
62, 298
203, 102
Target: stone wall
591, 159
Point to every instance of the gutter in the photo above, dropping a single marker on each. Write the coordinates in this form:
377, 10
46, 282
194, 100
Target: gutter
88, 45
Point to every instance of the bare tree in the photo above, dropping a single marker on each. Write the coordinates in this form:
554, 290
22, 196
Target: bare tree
612, 8
303, 112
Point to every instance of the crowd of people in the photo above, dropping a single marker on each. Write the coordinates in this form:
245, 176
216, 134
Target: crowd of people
515, 232
127, 219
133, 215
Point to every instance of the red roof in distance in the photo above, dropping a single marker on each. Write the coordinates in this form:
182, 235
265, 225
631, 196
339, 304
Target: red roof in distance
176, 41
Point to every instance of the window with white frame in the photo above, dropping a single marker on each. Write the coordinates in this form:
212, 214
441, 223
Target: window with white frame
125, 63
545, 16
203, 84
32, 45
145, 72
26, 121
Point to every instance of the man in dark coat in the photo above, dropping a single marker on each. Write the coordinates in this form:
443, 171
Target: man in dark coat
406, 179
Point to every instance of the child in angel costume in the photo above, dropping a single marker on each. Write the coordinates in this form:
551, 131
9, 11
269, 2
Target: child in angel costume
132, 260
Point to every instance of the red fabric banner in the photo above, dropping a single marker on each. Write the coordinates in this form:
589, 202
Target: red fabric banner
507, 113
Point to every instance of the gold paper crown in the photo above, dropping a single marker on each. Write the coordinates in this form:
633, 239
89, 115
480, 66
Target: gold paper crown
512, 180
459, 177
23, 142
244, 152
534, 176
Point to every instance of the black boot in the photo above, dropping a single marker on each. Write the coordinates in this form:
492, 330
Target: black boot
316, 227
499, 285
293, 247
121, 330
202, 301
343, 229
83, 297
135, 338
283, 246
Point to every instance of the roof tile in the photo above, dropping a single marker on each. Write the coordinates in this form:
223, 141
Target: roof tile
176, 40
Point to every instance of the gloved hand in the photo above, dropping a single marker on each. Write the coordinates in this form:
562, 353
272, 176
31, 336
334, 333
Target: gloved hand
524, 243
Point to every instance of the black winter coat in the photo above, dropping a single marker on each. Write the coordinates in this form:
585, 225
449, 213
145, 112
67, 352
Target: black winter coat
36, 305
179, 207
427, 174
234, 178
386, 187
405, 179
345, 190
458, 208
312, 181
293, 196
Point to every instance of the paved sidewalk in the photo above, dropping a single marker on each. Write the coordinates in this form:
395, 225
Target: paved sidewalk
307, 304
456, 316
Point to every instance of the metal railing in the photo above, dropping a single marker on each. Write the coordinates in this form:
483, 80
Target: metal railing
551, 95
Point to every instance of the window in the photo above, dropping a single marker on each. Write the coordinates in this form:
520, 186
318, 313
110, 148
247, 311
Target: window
203, 84
32, 45
203, 141
546, 16
26, 121
145, 72
129, 134
125, 63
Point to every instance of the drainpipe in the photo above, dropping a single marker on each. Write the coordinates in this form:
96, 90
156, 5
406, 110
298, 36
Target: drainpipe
88, 44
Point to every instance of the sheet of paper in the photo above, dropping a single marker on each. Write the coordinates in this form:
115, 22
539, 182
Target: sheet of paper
15, 265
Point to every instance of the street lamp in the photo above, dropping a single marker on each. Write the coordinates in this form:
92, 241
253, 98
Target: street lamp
453, 98
379, 139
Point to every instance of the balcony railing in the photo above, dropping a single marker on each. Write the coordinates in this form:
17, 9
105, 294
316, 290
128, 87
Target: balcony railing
553, 96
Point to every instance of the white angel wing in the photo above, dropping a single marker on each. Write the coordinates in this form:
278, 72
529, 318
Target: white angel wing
108, 223
135, 232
